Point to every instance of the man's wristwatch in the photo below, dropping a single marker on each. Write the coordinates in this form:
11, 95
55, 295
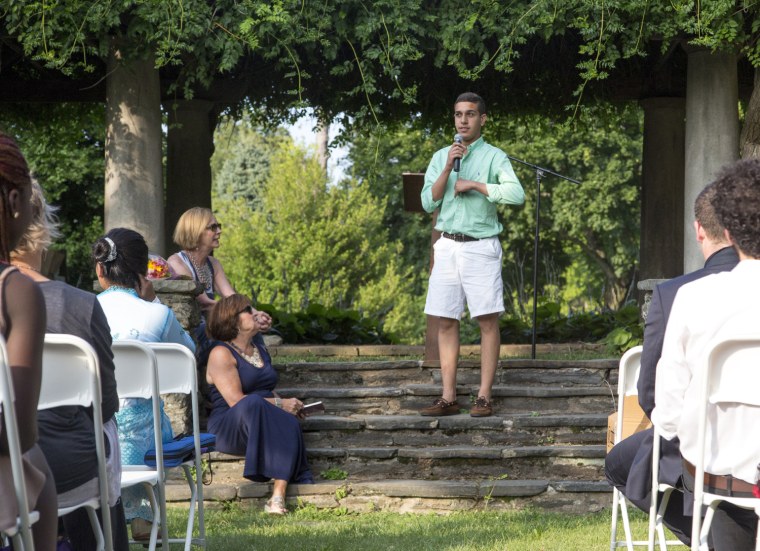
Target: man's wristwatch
278, 402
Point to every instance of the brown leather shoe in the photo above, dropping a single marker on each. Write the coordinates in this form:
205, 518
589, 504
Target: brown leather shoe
481, 408
441, 408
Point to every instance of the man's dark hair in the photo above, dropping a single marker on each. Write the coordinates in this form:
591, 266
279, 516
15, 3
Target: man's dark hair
472, 97
737, 204
704, 213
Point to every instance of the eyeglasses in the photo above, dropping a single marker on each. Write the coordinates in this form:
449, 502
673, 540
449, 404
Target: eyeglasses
247, 310
216, 226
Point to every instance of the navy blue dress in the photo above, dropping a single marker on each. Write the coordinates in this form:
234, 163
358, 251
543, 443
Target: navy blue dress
268, 437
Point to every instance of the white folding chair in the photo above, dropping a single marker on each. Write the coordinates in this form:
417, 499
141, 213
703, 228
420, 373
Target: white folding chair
177, 374
656, 514
137, 377
628, 376
730, 374
71, 377
21, 533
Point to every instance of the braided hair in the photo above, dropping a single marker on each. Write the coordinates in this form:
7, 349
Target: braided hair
14, 174
123, 254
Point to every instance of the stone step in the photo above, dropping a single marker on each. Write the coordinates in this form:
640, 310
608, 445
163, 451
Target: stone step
445, 462
411, 495
402, 372
417, 431
410, 398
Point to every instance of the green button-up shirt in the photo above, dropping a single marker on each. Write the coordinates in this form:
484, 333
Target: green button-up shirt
473, 213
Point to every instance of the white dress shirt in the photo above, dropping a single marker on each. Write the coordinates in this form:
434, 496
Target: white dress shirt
719, 305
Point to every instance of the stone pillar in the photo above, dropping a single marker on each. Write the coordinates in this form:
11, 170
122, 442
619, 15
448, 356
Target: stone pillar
134, 190
662, 190
190, 144
712, 132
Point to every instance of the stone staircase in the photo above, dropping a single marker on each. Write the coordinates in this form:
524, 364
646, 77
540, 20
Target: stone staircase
544, 446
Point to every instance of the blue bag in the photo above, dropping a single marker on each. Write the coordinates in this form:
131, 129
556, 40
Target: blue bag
181, 449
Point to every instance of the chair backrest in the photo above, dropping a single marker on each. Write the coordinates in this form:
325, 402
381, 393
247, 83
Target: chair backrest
10, 426
733, 374
136, 373
177, 373
628, 375
730, 373
71, 377
135, 369
176, 368
628, 372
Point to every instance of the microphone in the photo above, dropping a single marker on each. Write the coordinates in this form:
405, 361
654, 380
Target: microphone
457, 160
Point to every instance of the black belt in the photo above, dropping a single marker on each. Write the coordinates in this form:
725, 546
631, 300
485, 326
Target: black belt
462, 238
723, 484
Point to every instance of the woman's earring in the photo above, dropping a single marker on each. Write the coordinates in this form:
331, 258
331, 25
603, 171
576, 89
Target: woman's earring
16, 214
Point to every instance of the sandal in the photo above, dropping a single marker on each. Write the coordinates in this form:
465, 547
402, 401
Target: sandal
276, 506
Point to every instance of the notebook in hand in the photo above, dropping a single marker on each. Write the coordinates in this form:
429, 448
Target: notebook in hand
312, 409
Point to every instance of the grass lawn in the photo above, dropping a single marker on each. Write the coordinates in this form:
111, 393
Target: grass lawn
236, 528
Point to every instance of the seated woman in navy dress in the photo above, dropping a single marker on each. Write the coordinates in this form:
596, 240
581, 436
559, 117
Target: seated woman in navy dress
247, 417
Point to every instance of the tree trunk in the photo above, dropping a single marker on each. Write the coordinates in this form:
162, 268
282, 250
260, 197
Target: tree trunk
750, 138
134, 191
322, 141
190, 144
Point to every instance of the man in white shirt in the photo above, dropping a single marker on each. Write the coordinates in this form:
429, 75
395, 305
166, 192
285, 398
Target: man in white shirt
718, 305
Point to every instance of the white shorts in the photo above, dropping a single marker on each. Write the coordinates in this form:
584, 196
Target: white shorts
468, 272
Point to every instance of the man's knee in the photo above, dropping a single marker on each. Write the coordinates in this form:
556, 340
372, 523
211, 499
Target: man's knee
446, 325
488, 322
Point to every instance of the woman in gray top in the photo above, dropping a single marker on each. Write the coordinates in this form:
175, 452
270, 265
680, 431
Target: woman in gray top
75, 312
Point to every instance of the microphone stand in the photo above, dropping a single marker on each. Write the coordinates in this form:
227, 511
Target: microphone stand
540, 172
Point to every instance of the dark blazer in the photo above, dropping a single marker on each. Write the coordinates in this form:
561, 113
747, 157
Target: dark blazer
640, 476
657, 319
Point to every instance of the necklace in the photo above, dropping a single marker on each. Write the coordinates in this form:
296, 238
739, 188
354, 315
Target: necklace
204, 274
119, 288
24, 266
254, 359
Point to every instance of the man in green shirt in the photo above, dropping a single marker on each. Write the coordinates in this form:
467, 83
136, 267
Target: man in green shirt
465, 181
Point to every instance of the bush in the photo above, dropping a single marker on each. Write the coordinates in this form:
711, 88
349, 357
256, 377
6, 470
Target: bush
620, 329
321, 325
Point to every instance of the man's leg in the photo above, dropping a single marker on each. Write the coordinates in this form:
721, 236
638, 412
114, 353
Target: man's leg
490, 341
733, 528
448, 349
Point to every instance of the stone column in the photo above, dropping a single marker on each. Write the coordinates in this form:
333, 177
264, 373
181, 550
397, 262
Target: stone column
190, 144
134, 190
662, 190
712, 132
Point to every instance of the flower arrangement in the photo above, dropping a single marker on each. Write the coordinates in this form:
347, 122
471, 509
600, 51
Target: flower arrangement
158, 268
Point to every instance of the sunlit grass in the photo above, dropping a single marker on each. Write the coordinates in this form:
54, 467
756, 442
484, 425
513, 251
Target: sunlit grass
235, 527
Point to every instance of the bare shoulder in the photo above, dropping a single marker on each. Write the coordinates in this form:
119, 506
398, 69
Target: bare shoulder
21, 291
178, 265
215, 263
220, 357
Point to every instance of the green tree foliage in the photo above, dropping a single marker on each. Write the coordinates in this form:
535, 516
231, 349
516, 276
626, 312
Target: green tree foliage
75, 36
307, 242
241, 163
63, 144
386, 59
599, 218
